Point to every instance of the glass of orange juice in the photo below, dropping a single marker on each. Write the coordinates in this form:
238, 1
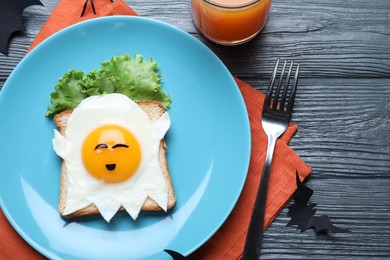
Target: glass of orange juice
230, 22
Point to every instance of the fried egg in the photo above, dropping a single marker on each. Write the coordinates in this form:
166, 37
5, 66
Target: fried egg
110, 150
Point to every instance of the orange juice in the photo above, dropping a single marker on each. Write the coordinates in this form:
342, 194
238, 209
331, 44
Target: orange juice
230, 22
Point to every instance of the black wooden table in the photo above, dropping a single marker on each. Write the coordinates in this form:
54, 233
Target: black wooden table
342, 110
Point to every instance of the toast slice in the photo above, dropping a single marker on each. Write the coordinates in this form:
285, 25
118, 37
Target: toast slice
154, 110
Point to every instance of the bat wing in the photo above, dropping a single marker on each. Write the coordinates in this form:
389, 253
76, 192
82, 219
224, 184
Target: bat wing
303, 193
11, 19
323, 224
175, 255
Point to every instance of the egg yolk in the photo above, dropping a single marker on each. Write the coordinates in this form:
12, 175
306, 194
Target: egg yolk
111, 153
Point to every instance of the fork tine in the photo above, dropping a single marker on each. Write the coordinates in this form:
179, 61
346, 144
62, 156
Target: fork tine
268, 95
293, 91
283, 99
277, 92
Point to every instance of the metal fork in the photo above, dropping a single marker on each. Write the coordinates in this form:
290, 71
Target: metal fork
277, 112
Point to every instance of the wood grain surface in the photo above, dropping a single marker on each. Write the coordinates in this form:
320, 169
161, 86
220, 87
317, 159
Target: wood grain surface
342, 110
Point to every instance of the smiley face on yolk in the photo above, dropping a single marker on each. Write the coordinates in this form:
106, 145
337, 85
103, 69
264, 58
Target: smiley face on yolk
111, 153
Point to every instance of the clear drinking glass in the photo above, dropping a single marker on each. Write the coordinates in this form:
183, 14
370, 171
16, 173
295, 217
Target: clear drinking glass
230, 22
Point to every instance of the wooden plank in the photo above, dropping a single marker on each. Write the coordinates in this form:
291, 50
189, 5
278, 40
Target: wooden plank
338, 40
360, 205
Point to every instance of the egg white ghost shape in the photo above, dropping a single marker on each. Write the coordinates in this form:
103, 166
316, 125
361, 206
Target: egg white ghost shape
83, 189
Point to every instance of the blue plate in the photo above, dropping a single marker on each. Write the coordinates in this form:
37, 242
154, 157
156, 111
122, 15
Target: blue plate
208, 143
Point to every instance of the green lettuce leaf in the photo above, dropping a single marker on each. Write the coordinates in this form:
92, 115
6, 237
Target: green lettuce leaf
67, 93
136, 78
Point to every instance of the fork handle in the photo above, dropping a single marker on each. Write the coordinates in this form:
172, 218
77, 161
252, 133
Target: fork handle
255, 231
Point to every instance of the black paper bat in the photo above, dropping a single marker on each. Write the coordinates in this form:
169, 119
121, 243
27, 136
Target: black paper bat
302, 213
11, 19
92, 6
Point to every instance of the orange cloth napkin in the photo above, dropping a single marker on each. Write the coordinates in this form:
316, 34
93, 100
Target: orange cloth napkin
68, 12
228, 241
